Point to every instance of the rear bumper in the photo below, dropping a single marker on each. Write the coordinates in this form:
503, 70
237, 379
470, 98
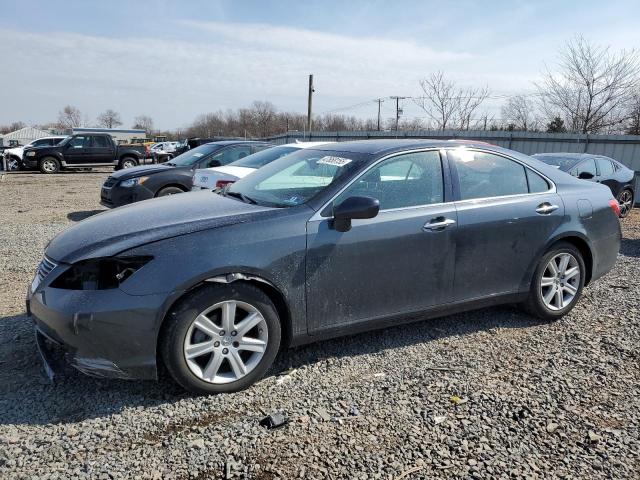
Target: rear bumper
116, 338
117, 196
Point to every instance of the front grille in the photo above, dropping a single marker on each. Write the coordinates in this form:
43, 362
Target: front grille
109, 182
45, 267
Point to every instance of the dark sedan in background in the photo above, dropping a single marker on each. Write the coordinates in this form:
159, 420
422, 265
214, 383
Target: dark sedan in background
597, 168
149, 181
322, 242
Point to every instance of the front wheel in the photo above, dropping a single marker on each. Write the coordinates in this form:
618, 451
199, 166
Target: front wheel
625, 200
49, 165
557, 282
220, 338
169, 191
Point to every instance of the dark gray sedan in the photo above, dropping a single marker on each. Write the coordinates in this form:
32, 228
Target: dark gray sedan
329, 241
597, 168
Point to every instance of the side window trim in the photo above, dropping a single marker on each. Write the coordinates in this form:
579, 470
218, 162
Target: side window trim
456, 183
446, 177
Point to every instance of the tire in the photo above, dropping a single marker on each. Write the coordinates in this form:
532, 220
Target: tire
625, 200
207, 305
570, 288
169, 191
14, 164
127, 162
49, 165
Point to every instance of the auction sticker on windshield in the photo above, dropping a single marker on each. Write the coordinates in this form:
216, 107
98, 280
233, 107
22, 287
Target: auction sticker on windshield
337, 161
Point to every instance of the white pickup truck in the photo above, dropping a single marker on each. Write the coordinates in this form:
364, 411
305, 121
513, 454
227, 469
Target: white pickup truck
218, 177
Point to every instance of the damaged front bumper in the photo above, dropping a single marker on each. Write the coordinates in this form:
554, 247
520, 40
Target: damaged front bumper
116, 338
53, 356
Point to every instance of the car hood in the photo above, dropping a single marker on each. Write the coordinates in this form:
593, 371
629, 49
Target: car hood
140, 171
15, 151
111, 232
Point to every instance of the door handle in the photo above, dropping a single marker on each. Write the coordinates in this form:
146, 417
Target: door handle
546, 208
439, 223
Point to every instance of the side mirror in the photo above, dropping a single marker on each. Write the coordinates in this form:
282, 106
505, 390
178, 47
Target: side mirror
585, 176
354, 208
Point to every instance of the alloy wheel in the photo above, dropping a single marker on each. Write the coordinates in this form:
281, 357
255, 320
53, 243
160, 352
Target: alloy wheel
12, 165
625, 199
128, 164
225, 342
560, 281
49, 166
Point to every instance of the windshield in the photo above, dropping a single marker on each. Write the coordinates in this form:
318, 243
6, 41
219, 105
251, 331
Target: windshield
66, 140
296, 178
263, 157
563, 163
194, 155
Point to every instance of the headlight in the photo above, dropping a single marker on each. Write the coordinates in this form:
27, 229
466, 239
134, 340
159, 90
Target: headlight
133, 181
99, 273
30, 154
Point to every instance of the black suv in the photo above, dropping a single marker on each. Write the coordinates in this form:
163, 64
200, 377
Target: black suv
149, 181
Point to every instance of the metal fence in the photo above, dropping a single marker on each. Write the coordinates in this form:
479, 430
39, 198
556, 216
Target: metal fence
624, 148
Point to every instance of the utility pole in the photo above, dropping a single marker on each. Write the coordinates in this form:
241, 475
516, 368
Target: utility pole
379, 102
398, 111
309, 104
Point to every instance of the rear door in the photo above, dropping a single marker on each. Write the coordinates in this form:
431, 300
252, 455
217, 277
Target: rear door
76, 150
506, 213
398, 262
100, 150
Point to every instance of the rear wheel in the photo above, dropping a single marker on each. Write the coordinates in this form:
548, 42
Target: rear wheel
169, 191
220, 338
49, 165
625, 200
127, 162
557, 282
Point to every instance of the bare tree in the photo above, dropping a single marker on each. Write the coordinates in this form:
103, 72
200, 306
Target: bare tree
69, 117
143, 122
448, 105
633, 122
591, 86
519, 111
109, 119
12, 127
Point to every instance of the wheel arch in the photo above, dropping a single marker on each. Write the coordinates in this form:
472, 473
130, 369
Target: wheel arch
582, 244
266, 286
176, 185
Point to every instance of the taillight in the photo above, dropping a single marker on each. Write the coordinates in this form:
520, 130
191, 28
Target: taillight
223, 183
615, 206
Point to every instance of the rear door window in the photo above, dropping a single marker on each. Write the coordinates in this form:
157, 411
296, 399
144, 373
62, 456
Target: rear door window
485, 175
537, 184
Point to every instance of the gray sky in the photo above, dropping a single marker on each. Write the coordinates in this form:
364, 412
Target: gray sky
175, 60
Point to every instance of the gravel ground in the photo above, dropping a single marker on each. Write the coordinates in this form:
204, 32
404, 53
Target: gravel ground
487, 394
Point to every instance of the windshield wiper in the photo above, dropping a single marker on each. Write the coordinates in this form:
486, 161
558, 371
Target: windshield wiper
170, 163
241, 196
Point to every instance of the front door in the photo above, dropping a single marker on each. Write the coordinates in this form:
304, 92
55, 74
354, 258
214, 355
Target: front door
76, 149
401, 261
506, 214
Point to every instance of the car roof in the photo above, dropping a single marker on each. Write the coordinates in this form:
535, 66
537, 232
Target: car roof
569, 155
304, 144
384, 146
233, 142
